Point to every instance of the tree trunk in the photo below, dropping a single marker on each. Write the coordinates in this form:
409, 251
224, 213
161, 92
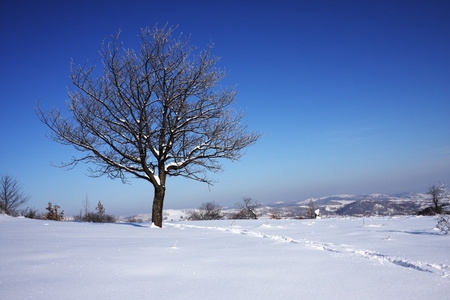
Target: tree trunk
158, 200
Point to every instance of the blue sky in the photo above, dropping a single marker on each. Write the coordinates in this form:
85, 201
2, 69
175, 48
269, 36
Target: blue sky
353, 96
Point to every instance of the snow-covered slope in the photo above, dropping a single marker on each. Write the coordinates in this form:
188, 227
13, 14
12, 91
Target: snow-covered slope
371, 258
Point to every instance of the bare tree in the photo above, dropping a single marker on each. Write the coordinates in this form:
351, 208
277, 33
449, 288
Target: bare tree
153, 113
436, 193
247, 209
310, 211
11, 195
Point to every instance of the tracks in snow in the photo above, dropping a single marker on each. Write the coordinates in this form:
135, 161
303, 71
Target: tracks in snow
438, 269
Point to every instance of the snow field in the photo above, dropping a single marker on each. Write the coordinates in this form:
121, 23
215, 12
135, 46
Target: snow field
374, 258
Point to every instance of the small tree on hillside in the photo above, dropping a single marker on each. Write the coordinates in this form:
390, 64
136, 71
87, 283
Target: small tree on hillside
100, 209
53, 213
437, 194
153, 113
247, 209
101, 216
310, 211
11, 195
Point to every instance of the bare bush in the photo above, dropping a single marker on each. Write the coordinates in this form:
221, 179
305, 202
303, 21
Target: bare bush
31, 213
207, 211
444, 223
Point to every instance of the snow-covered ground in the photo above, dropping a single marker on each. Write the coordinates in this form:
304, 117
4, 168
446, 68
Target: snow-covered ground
371, 258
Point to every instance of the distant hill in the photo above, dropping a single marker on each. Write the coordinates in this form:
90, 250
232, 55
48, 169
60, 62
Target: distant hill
357, 205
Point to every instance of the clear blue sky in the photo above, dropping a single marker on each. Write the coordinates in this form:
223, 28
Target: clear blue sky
353, 96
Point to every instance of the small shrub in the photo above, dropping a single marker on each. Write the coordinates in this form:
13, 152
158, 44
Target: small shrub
193, 215
100, 208
53, 213
444, 223
207, 211
31, 213
99, 216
